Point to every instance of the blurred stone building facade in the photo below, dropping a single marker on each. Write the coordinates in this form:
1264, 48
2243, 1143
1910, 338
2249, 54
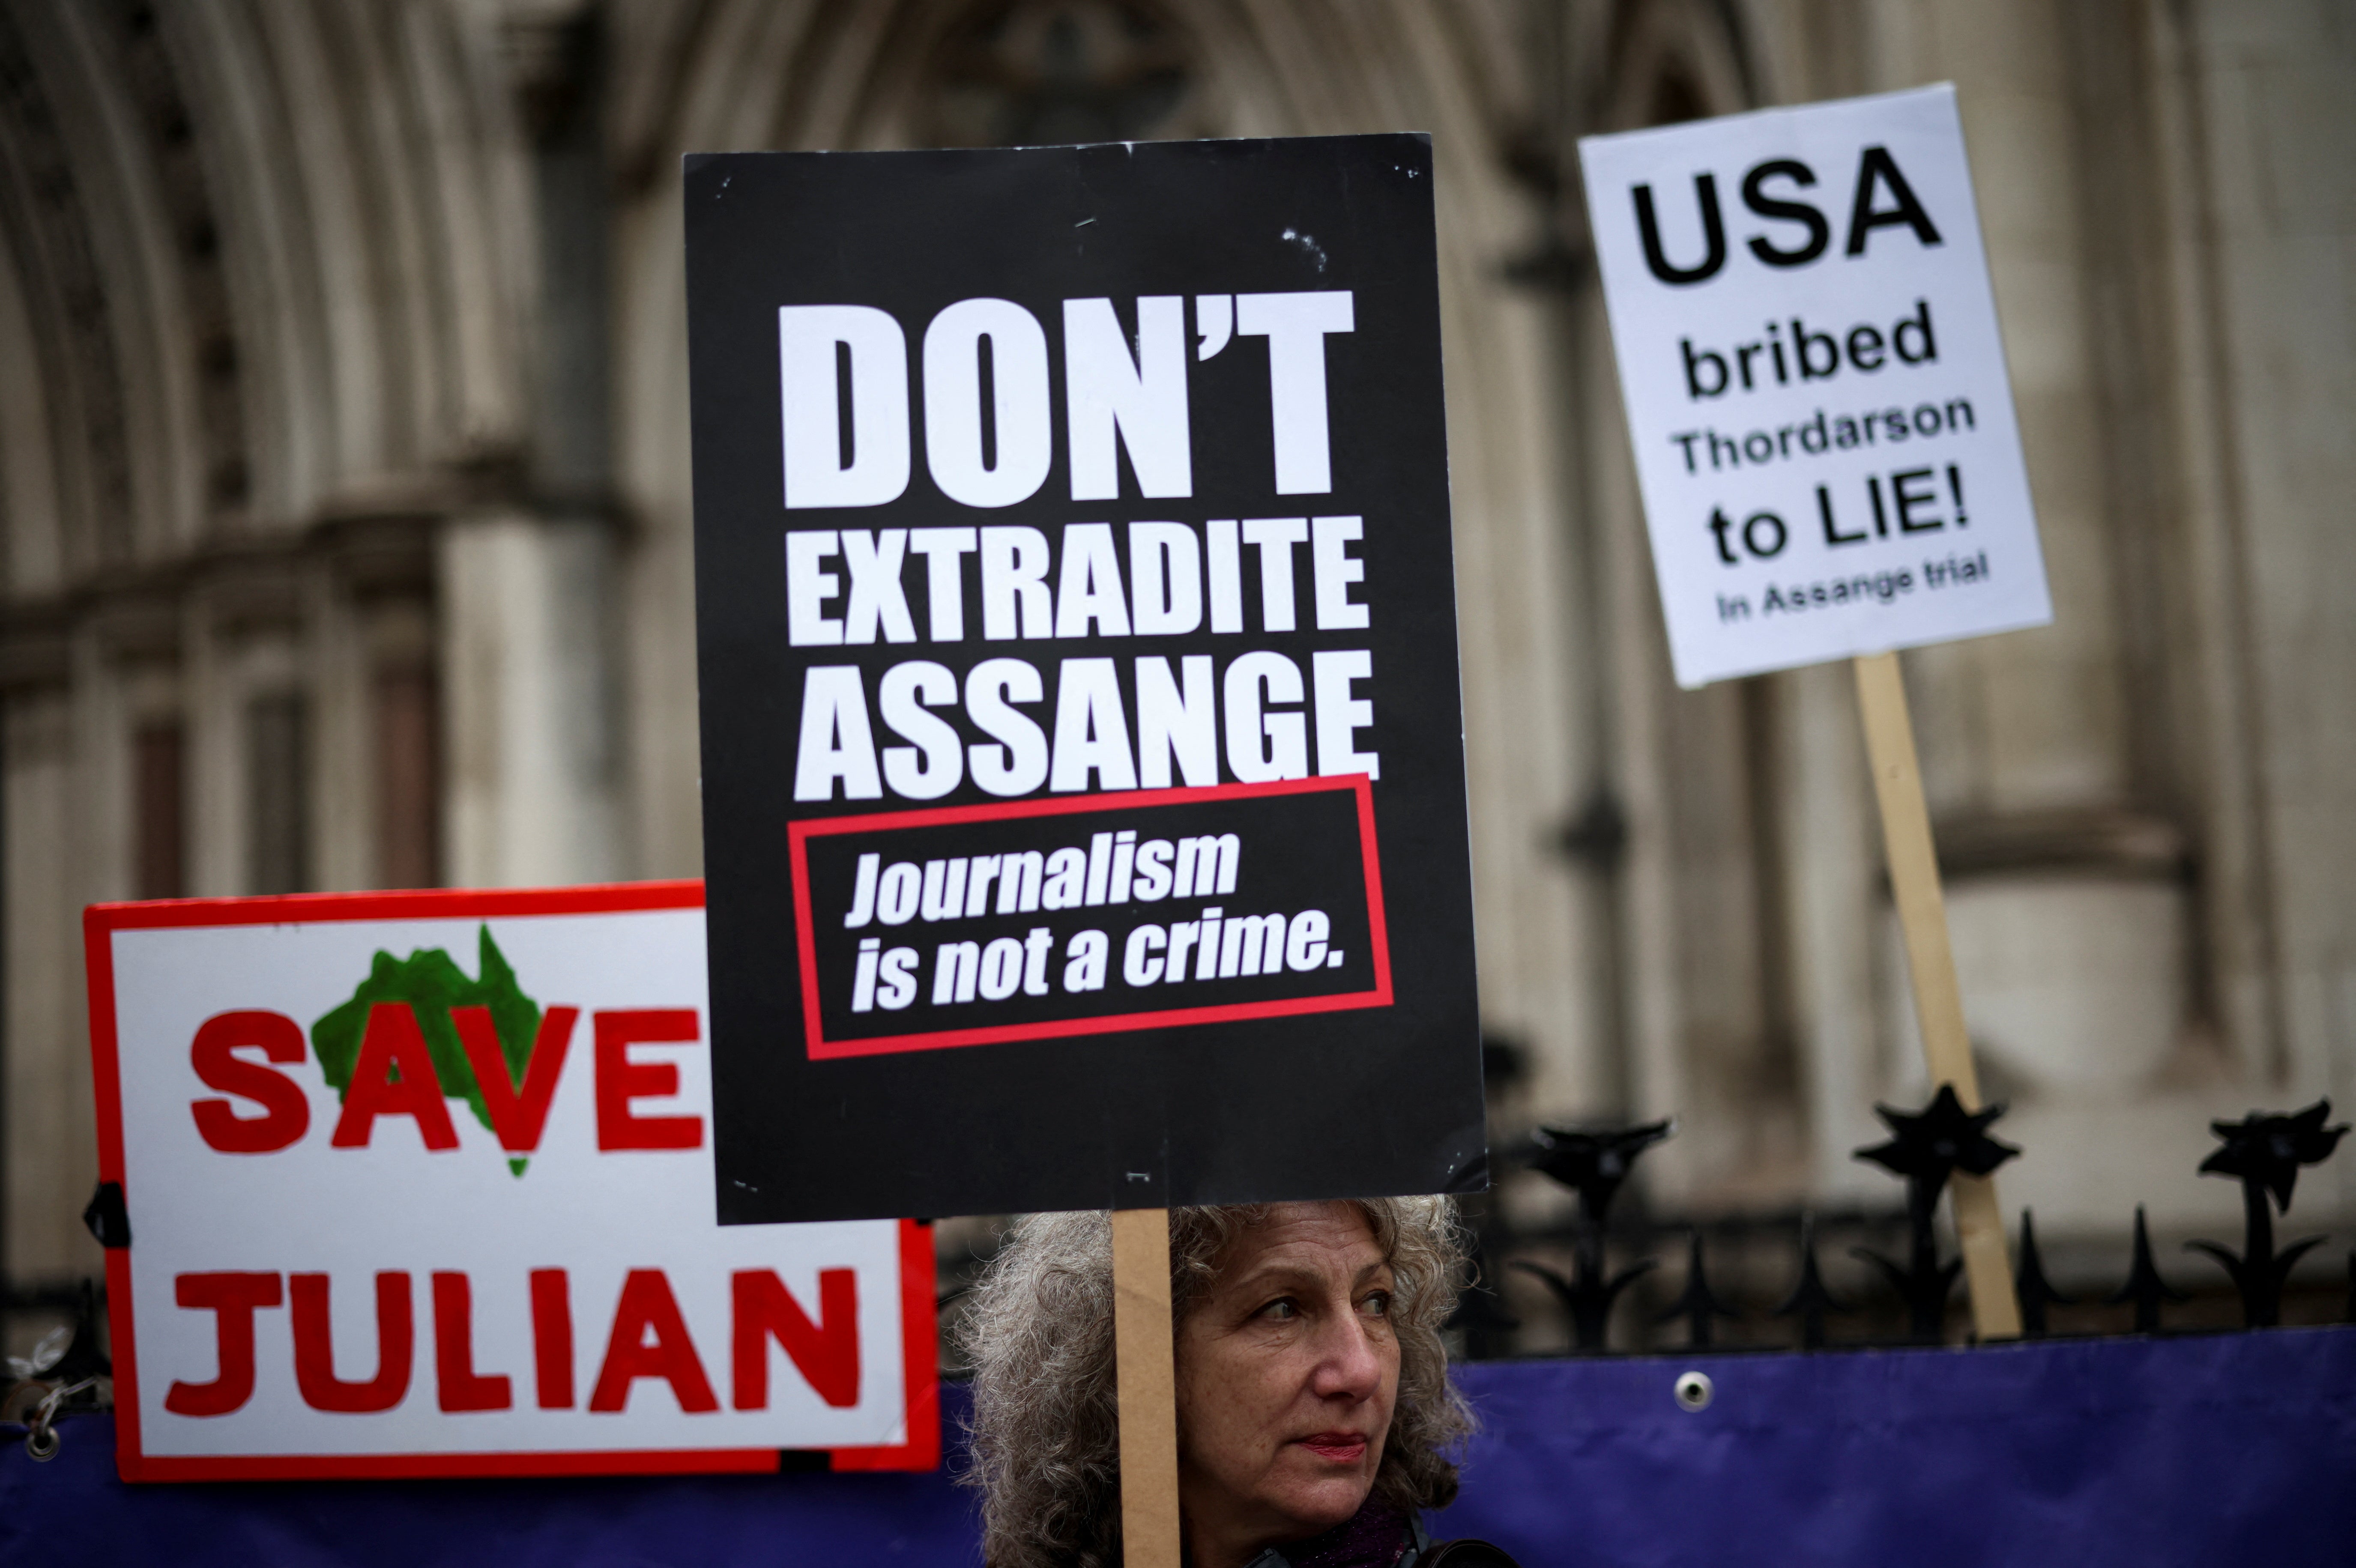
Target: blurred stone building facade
345, 523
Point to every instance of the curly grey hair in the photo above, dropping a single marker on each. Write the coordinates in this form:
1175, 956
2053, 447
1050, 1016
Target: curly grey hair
1038, 1330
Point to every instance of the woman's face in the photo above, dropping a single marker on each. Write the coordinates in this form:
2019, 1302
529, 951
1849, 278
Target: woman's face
1287, 1373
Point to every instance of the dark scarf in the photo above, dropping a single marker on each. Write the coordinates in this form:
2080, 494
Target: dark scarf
1376, 1536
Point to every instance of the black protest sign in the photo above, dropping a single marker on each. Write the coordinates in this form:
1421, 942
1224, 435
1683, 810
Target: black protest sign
1083, 771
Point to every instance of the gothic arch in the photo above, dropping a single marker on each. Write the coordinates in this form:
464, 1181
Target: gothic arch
1670, 60
270, 257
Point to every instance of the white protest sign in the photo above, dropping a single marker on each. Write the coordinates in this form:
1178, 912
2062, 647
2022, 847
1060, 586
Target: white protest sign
354, 1252
1814, 382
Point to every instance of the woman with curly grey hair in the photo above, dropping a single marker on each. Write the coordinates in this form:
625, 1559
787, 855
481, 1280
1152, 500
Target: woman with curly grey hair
1315, 1417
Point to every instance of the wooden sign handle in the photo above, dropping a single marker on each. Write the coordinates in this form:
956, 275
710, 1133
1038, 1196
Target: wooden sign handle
1931, 963
1146, 1381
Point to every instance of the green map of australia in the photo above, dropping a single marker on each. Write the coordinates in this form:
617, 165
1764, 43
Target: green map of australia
432, 983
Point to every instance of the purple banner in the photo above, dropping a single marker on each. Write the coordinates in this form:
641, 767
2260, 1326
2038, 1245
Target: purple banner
2223, 1449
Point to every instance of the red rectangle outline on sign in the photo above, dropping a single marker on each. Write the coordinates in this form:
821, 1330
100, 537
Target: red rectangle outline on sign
920, 1450
821, 1049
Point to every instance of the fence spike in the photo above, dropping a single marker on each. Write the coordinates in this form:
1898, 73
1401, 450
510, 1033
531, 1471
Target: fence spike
2144, 1286
2036, 1291
1810, 1301
1697, 1303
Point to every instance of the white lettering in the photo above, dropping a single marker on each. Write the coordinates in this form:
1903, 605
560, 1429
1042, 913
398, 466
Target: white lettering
817, 473
1169, 724
837, 742
1019, 764
1165, 579
1144, 399
1091, 730
1088, 588
1276, 537
876, 599
1339, 716
932, 767
1014, 577
809, 586
1261, 745
1019, 402
944, 550
1337, 570
1295, 325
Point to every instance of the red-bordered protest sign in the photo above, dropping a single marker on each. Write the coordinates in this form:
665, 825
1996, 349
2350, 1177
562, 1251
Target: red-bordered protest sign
1153, 984
420, 1184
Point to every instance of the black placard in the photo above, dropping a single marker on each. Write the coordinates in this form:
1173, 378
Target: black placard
1083, 770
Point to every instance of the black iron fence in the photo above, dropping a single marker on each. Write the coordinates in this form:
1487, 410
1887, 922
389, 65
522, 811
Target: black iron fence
1618, 1281
1616, 1278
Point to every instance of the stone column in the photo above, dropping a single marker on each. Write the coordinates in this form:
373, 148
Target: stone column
47, 1140
527, 722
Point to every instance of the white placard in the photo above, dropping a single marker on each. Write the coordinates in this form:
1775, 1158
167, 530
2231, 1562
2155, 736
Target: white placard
381, 1282
1815, 383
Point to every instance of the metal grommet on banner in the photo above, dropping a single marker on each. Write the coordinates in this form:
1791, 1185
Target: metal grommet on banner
1694, 1391
42, 1441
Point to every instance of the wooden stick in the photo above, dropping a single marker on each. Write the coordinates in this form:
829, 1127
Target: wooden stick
1931, 962
1147, 1386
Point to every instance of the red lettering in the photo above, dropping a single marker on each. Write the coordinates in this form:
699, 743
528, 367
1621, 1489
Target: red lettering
314, 1346
826, 1352
648, 1304
286, 1109
455, 1378
621, 1080
393, 1077
518, 1116
552, 1338
232, 1297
